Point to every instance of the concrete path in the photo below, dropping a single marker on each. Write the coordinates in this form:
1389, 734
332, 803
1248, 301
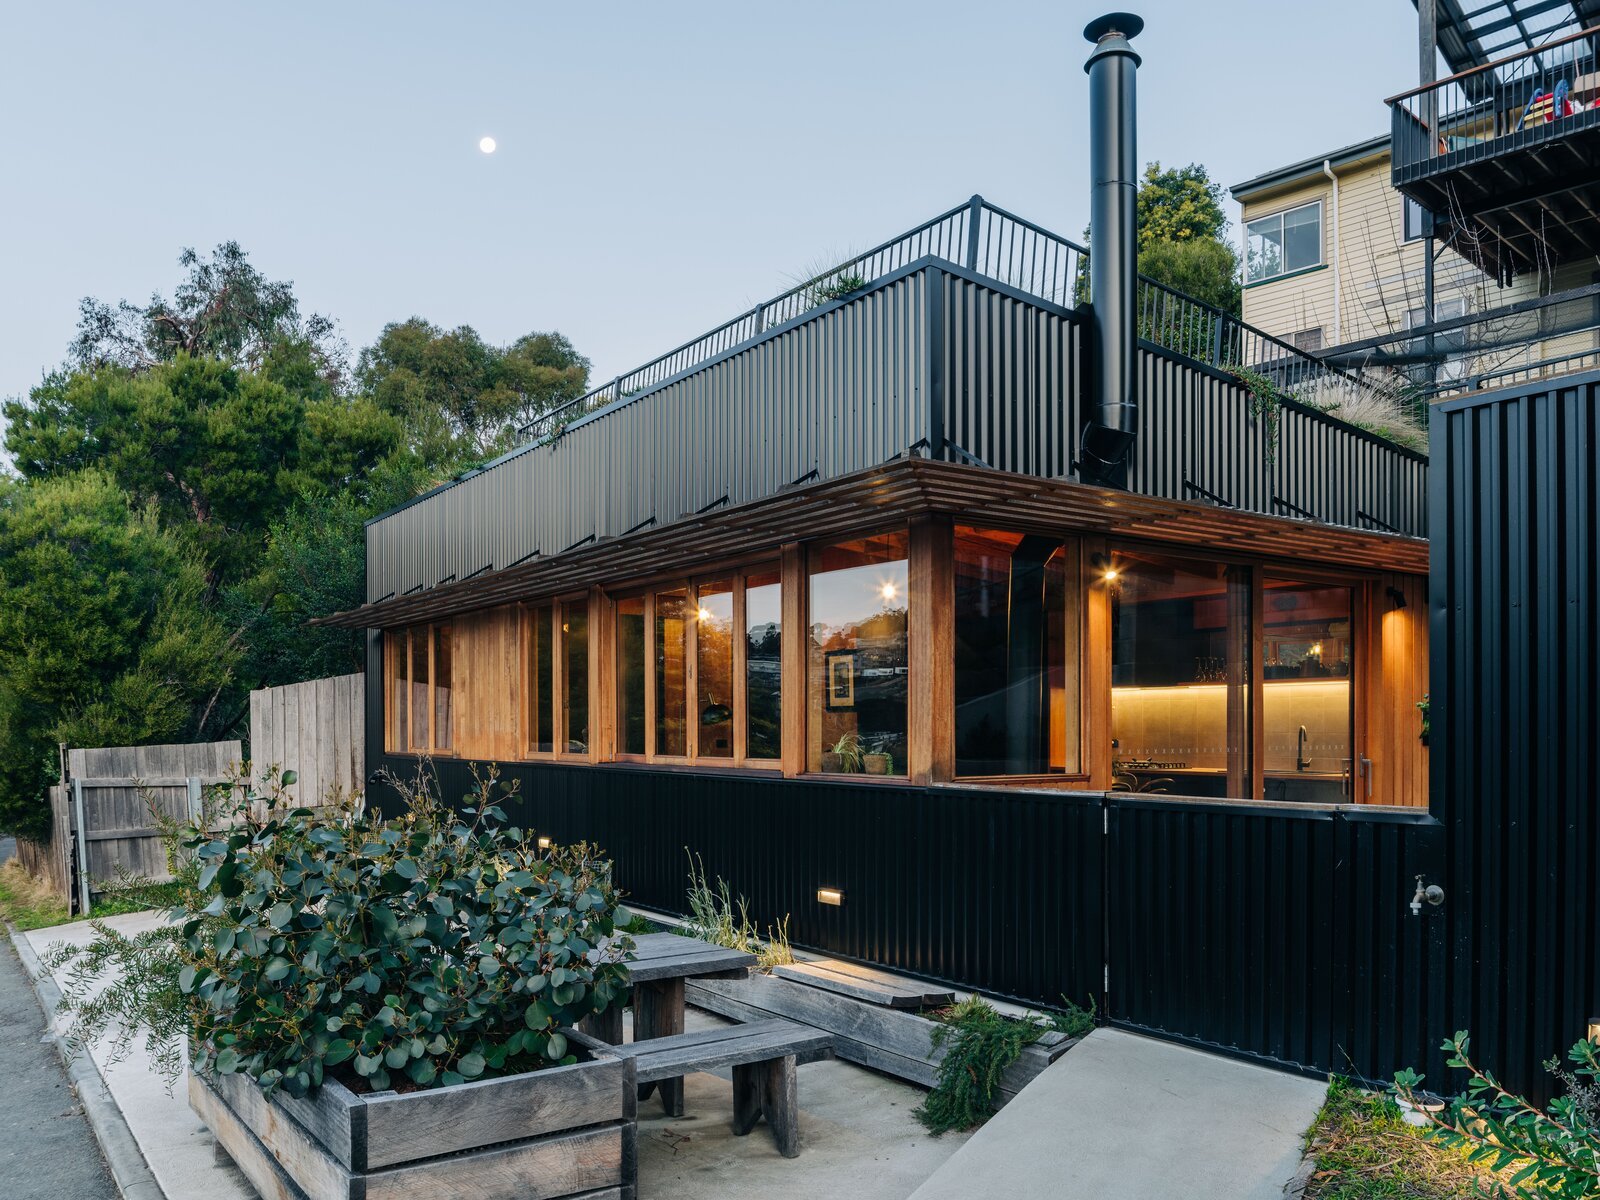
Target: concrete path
46, 1146
171, 1139
1139, 1119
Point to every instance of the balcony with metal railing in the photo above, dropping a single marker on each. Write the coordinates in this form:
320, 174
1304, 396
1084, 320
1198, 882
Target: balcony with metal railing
1506, 155
1024, 257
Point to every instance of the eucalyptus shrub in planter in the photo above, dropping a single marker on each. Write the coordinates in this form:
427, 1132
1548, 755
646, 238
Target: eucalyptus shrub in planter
399, 989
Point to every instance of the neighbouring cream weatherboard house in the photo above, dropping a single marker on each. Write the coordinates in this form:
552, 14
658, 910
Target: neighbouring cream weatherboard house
1335, 262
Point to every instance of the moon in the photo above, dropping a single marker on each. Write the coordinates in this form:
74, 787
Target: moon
486, 144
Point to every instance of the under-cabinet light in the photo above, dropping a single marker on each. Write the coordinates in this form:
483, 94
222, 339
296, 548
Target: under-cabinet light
831, 896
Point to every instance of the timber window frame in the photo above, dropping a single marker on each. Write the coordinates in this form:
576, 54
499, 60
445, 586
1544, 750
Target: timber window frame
404, 703
1242, 667
669, 674
551, 696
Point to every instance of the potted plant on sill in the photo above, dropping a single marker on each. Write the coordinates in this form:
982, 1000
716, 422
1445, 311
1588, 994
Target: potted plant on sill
846, 757
381, 1003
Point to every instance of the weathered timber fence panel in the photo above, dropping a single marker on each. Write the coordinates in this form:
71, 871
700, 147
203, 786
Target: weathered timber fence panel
316, 729
108, 796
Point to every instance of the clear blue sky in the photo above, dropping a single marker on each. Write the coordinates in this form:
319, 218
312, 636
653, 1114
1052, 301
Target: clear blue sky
659, 168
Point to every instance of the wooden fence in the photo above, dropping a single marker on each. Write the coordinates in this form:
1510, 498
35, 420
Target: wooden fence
316, 729
101, 819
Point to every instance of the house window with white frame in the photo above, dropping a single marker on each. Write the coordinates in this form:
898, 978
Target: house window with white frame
1283, 243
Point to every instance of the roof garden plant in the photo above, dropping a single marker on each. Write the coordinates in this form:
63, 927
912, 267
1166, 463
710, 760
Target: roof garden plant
420, 950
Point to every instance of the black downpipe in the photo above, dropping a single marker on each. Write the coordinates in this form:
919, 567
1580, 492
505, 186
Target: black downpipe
1113, 259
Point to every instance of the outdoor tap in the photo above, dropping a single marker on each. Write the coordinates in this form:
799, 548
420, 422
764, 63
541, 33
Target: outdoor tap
1431, 893
1301, 762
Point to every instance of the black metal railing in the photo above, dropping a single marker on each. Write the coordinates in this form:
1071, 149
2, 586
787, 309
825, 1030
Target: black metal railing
1522, 99
1004, 247
1540, 338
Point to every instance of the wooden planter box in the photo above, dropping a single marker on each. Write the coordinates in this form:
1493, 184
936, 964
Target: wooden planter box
895, 1041
563, 1132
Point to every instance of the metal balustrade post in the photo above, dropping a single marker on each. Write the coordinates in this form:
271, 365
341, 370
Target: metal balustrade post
974, 219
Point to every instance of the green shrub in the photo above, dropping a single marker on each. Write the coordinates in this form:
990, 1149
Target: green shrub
1549, 1154
983, 1042
433, 947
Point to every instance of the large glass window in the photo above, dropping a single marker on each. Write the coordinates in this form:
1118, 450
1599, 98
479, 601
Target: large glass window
441, 687
418, 714
713, 675
631, 675
541, 679
1180, 675
857, 664
689, 685
1283, 243
419, 687
672, 673
763, 660
1308, 669
575, 677
1016, 654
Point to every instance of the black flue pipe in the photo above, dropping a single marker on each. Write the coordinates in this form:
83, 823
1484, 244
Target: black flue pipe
1113, 420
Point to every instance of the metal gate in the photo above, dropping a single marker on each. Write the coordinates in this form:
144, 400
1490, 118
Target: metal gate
1277, 932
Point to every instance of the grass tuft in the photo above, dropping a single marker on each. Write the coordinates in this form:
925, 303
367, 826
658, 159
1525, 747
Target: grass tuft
718, 917
27, 902
1363, 1150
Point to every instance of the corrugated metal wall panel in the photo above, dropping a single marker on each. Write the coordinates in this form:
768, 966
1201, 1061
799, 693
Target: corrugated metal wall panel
1280, 933
843, 390
963, 885
1516, 726
853, 386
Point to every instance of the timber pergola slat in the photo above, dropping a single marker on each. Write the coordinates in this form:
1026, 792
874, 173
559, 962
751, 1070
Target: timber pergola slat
897, 492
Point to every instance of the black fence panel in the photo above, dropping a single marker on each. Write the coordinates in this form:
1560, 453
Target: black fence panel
1277, 932
994, 888
1516, 723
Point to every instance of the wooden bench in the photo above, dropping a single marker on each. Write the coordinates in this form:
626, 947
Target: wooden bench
763, 1055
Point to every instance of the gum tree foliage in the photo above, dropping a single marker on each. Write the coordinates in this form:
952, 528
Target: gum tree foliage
1183, 237
462, 398
435, 947
228, 423
219, 450
105, 635
225, 308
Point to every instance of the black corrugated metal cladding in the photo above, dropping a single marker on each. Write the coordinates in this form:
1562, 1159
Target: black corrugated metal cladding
1514, 715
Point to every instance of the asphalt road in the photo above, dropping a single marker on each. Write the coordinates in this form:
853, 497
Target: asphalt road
46, 1147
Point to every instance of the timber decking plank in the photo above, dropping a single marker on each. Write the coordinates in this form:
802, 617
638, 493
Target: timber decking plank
560, 1165
703, 1050
246, 1124
423, 1124
872, 987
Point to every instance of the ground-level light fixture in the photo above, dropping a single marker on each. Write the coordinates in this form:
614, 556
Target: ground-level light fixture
1594, 1030
545, 843
832, 896
1104, 564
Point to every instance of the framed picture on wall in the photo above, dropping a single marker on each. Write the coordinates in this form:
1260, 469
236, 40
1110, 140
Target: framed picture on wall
839, 681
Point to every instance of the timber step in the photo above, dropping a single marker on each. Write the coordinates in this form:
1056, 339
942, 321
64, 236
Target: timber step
763, 1055
866, 984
